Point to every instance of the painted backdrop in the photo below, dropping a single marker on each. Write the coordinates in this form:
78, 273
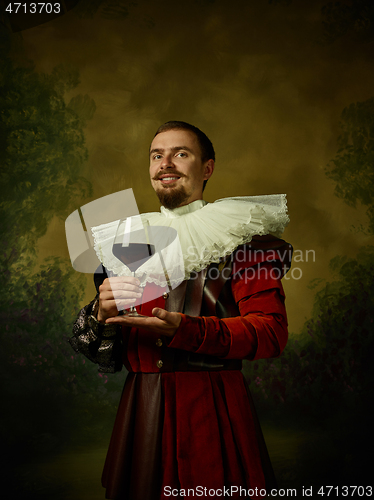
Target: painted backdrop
284, 89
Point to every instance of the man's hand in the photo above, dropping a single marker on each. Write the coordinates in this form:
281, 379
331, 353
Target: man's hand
117, 293
161, 323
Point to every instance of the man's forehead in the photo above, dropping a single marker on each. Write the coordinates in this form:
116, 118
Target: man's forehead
174, 138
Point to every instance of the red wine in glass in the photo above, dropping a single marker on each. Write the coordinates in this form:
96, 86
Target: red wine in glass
134, 254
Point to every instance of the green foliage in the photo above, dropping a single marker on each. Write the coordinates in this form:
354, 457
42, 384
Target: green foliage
42, 145
42, 154
46, 387
354, 17
353, 167
328, 366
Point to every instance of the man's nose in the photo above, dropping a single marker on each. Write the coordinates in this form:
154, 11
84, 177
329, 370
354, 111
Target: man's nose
167, 162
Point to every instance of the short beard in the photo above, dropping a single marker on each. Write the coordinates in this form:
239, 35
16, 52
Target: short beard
172, 198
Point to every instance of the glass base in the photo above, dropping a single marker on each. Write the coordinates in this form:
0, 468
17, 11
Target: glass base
135, 314
132, 313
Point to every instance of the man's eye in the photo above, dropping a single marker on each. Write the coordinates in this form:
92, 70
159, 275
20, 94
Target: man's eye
157, 157
181, 154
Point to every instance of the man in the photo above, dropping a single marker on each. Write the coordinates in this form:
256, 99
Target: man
186, 425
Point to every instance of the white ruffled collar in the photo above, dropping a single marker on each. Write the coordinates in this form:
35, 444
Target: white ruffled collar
185, 209
206, 233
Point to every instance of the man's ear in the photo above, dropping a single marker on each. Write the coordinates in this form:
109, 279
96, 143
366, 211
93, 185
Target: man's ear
208, 169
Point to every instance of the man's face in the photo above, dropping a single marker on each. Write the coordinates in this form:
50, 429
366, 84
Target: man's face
176, 169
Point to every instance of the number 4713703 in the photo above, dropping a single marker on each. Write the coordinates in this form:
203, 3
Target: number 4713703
33, 8
346, 491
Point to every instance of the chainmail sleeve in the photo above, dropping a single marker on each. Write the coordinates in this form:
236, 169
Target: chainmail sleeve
100, 343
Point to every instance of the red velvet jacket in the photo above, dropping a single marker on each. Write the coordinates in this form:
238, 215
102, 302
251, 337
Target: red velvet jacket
209, 435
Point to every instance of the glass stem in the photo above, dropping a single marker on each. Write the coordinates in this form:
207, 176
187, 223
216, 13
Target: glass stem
133, 308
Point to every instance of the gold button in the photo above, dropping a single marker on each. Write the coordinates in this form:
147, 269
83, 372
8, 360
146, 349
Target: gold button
159, 342
159, 363
165, 295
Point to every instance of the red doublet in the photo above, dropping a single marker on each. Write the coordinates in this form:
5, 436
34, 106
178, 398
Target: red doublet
204, 431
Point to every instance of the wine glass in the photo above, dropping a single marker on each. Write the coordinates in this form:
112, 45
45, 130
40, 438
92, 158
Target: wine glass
132, 247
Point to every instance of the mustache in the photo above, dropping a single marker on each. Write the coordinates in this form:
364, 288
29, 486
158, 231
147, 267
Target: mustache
168, 172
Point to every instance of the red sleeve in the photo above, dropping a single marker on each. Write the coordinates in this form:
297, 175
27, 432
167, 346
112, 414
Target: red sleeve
259, 332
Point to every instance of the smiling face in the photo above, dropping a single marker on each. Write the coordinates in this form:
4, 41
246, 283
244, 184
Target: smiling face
176, 168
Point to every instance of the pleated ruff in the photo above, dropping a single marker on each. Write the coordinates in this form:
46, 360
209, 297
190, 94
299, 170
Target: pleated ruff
181, 430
